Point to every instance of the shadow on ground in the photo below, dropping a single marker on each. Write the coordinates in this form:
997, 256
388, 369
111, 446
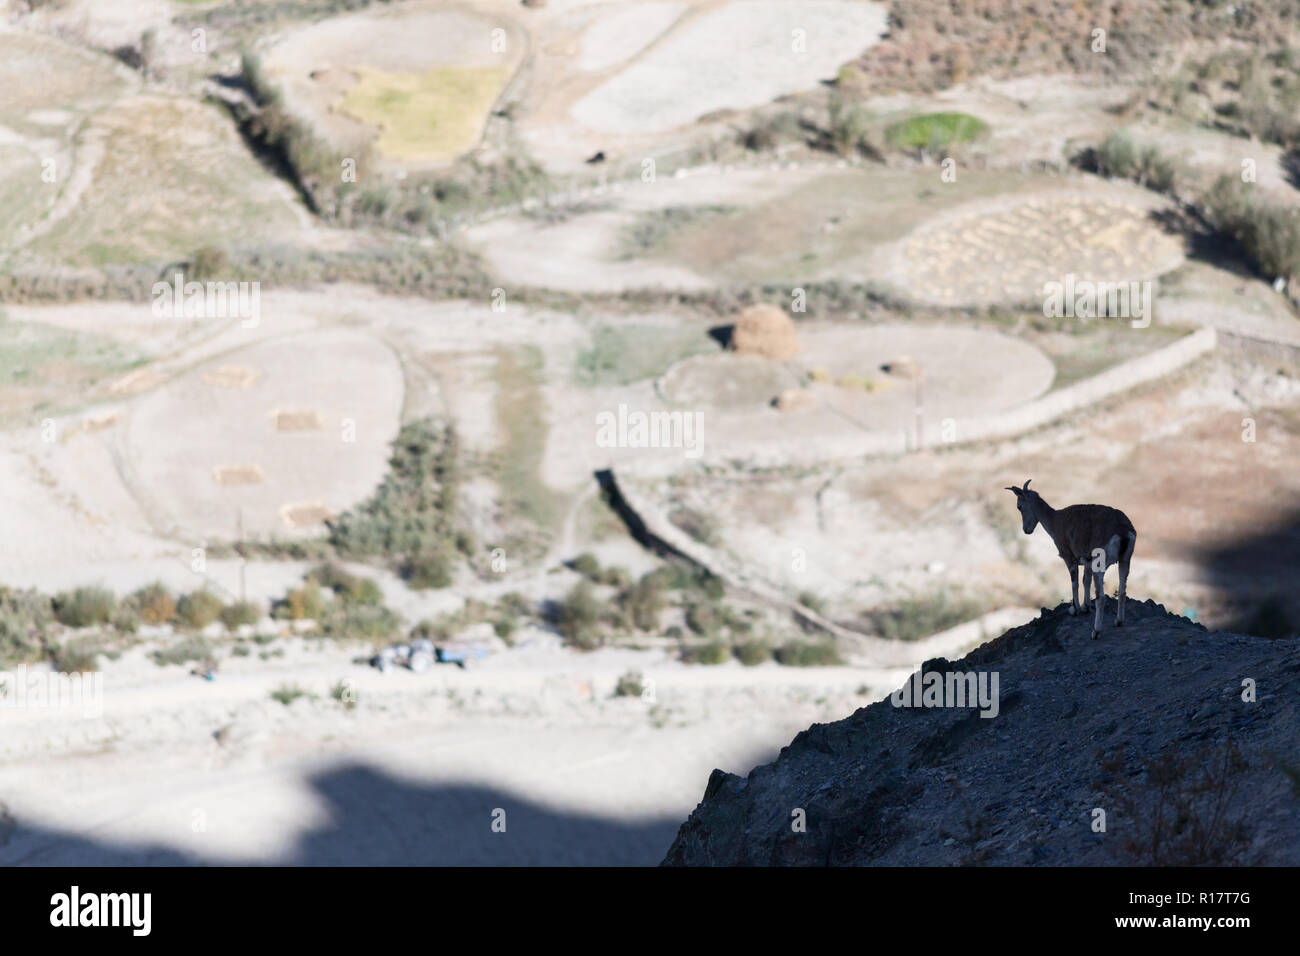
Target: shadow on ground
1257, 576
380, 820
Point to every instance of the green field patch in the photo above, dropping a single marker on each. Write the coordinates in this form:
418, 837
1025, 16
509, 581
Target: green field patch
935, 131
426, 117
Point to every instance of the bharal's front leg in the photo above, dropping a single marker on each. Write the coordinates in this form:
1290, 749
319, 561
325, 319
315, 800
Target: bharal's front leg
1087, 590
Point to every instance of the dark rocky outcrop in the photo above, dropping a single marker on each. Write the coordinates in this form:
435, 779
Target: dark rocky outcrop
1147, 723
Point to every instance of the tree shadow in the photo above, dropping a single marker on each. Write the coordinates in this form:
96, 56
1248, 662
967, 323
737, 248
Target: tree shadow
379, 820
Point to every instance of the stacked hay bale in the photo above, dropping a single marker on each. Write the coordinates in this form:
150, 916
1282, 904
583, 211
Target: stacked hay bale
766, 331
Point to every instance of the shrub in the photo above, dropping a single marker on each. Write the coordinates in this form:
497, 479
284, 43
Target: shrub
154, 604
349, 587
189, 649
580, 615
240, 613
345, 693
198, 609
753, 653
1117, 156
287, 693
705, 618
587, 565
361, 622
431, 569
304, 603
1184, 809
76, 657
642, 603
809, 654
25, 617
810, 600
516, 604
714, 652
1269, 235
208, 263
630, 684
84, 607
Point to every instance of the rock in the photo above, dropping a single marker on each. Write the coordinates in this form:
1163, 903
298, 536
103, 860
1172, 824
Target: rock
1020, 786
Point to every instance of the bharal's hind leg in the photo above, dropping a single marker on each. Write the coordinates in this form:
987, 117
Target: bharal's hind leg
1101, 602
1087, 590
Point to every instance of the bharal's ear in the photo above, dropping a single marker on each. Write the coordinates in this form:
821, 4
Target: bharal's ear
1015, 489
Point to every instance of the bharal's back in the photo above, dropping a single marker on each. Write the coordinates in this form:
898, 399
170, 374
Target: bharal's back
1086, 525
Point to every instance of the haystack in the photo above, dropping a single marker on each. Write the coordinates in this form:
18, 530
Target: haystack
764, 330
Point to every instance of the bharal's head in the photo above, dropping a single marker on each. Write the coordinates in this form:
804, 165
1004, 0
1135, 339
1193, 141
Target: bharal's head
1025, 502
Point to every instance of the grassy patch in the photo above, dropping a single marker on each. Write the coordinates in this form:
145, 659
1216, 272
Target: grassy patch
425, 117
521, 421
623, 354
935, 131
32, 353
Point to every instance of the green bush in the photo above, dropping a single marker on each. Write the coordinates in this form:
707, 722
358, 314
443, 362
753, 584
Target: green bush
431, 569
370, 622
25, 620
84, 607
198, 609
714, 652
287, 693
1118, 157
630, 684
587, 565
809, 654
706, 618
753, 653
1269, 234
240, 613
191, 648
642, 603
354, 588
580, 616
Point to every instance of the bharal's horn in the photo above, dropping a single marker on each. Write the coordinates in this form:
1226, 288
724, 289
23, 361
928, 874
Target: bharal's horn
1026, 488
